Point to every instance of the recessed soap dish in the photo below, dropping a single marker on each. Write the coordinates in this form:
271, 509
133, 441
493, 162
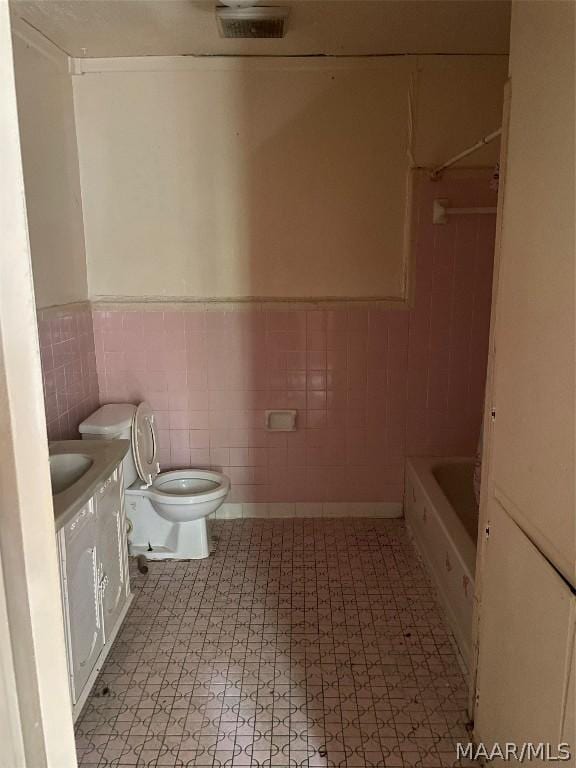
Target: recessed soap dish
281, 421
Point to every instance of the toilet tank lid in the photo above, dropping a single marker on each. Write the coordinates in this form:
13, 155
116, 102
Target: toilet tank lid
109, 419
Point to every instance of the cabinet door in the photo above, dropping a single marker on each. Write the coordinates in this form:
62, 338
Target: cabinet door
526, 636
112, 550
81, 593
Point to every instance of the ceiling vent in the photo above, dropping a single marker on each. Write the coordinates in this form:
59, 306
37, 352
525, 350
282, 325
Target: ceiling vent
252, 22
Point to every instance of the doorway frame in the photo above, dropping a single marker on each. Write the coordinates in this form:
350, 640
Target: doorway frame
35, 709
486, 480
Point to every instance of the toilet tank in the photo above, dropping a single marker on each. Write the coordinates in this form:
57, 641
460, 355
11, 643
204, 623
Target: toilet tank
113, 422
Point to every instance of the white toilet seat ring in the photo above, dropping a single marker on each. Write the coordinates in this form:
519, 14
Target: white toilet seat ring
210, 486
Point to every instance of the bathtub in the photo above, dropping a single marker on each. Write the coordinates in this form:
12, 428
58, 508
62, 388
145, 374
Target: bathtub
442, 520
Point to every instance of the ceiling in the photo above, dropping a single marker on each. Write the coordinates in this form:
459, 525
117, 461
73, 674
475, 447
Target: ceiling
109, 28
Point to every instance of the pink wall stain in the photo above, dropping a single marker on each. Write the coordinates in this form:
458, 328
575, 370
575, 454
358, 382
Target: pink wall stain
371, 386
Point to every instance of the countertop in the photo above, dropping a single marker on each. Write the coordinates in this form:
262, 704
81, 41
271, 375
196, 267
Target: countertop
106, 455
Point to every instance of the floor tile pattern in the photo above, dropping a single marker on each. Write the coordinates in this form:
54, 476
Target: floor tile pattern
297, 643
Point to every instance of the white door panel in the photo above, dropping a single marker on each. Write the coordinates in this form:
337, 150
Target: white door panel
81, 596
526, 637
112, 549
534, 384
527, 568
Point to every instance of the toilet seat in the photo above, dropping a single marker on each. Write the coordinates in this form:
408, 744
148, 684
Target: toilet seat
187, 487
144, 444
180, 487
180, 495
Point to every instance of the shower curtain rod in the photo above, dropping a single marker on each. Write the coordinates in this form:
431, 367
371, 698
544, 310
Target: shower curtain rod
436, 172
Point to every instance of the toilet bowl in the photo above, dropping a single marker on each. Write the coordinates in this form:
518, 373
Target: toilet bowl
167, 511
187, 494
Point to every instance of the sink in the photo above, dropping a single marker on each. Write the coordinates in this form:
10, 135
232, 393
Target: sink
66, 469
77, 470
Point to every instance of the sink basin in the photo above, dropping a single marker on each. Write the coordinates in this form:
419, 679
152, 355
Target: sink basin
66, 469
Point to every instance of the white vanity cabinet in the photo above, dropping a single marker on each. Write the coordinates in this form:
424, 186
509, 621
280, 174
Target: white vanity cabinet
111, 546
95, 585
79, 571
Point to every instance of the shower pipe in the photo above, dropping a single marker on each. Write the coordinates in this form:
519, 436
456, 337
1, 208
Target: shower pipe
435, 173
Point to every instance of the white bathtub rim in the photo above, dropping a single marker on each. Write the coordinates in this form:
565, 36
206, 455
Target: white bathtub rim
421, 471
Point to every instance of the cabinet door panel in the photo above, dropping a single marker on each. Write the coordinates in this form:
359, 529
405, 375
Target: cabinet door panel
112, 550
525, 639
81, 596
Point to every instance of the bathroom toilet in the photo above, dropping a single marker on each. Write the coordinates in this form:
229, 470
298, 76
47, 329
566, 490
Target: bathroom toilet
167, 510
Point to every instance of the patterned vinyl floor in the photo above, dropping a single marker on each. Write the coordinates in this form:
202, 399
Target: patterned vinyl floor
298, 643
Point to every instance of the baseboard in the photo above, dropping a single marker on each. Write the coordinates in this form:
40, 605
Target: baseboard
274, 510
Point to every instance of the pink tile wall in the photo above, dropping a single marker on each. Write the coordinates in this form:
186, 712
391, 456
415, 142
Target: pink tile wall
210, 376
370, 385
450, 320
68, 368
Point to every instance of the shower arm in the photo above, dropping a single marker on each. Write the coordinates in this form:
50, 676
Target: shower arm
435, 173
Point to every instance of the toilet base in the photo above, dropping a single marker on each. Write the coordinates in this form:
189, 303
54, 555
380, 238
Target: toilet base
159, 539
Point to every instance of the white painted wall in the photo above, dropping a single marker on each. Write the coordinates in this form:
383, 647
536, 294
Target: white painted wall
233, 178
49, 151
